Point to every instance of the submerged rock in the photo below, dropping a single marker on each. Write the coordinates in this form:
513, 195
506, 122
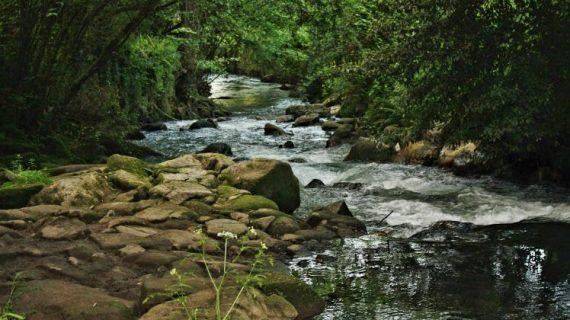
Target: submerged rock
270, 178
285, 118
315, 183
288, 145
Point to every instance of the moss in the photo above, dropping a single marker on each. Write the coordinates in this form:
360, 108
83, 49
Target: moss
130, 164
247, 203
370, 150
298, 293
198, 208
225, 191
18, 196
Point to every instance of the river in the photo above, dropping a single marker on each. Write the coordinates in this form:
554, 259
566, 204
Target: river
496, 268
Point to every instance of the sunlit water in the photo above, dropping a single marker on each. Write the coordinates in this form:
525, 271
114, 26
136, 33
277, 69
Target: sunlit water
489, 274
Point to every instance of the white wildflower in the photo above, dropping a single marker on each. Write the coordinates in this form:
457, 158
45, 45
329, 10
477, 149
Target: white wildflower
173, 271
227, 235
252, 231
263, 246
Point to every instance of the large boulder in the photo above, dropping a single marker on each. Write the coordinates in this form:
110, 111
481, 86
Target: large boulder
79, 189
272, 179
458, 156
367, 149
214, 161
57, 300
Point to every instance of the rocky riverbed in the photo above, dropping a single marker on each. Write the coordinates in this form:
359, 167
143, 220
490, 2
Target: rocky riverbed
105, 239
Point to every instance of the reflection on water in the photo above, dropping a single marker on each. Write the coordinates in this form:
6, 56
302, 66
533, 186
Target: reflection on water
511, 272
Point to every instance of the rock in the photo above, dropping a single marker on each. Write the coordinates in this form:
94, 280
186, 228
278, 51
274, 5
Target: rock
330, 125
306, 120
285, 118
245, 203
214, 161
132, 249
305, 300
64, 229
180, 191
81, 189
282, 225
155, 126
297, 160
73, 168
343, 225
348, 185
203, 123
111, 241
343, 134
154, 258
263, 223
338, 207
319, 233
197, 207
221, 148
213, 227
421, 152
182, 240
128, 181
129, 164
162, 212
18, 196
273, 130
457, 157
296, 110
289, 145
350, 121
270, 178
252, 305
6, 176
335, 110
185, 161
57, 300
139, 231
367, 149
287, 86
135, 135
315, 183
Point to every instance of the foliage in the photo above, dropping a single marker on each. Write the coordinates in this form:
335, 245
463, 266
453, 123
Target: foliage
6, 311
24, 176
252, 278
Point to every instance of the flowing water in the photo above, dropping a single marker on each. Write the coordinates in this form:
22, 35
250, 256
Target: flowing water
405, 269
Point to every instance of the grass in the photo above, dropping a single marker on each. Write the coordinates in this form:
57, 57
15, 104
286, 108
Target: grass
6, 311
27, 177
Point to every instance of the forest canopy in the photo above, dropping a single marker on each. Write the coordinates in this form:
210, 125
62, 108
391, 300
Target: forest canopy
75, 75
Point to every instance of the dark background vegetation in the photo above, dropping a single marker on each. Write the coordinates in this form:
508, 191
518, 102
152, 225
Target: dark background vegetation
77, 76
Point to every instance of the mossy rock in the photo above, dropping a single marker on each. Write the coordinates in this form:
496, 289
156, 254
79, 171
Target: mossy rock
367, 149
283, 225
129, 164
18, 196
225, 191
197, 207
272, 179
129, 181
246, 203
298, 293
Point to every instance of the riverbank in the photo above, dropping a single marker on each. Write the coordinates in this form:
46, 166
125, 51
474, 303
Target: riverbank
129, 237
